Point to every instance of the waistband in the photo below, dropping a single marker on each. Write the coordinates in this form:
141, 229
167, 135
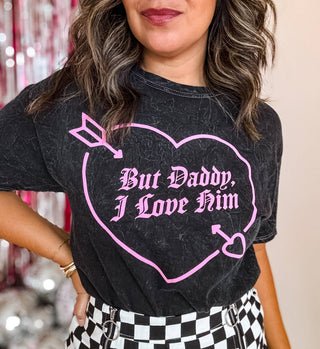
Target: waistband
118, 322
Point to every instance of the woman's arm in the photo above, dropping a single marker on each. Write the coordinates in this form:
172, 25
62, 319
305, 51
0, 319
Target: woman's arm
274, 328
24, 227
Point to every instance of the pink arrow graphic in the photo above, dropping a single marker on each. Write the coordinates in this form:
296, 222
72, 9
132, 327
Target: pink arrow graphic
99, 136
216, 229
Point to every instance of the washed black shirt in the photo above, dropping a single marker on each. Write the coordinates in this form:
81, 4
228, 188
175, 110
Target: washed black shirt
165, 223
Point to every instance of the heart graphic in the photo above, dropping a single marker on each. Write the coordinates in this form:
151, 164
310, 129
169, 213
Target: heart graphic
119, 155
216, 229
232, 243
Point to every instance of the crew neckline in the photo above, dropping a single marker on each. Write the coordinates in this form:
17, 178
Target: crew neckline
170, 86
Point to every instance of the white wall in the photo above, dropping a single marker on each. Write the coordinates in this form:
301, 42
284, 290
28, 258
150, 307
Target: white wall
293, 86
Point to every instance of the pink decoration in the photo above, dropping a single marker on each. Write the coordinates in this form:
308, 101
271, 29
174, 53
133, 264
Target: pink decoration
67, 216
97, 138
33, 44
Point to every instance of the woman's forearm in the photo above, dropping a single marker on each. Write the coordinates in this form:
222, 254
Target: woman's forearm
274, 328
24, 227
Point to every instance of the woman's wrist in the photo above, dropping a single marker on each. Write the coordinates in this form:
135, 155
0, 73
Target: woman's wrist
75, 278
69, 269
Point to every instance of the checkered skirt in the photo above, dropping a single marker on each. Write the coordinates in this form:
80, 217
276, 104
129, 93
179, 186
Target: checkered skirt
237, 326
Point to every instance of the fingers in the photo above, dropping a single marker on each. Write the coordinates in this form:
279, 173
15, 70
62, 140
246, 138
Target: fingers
80, 308
82, 300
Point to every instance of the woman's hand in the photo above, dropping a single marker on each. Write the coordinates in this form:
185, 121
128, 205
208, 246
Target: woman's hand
82, 300
24, 227
276, 335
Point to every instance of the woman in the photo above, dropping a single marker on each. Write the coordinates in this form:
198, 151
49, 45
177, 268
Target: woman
155, 130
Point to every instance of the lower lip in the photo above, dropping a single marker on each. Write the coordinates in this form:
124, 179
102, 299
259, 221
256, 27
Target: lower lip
160, 19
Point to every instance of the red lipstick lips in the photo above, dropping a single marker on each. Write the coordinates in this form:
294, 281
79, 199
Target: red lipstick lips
160, 16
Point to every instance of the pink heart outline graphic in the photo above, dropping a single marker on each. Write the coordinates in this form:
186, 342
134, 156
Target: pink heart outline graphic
216, 229
176, 145
230, 242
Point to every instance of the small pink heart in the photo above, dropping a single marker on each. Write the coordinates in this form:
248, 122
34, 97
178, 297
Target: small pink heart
231, 242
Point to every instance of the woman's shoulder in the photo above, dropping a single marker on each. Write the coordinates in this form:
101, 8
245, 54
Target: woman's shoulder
268, 122
52, 112
35, 89
270, 129
268, 116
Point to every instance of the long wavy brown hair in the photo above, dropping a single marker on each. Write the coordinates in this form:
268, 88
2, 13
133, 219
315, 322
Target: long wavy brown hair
104, 51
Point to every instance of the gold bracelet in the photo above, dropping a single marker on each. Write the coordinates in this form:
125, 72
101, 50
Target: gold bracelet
57, 250
69, 269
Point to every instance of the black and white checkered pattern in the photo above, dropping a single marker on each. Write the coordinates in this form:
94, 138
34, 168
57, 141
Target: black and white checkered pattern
217, 329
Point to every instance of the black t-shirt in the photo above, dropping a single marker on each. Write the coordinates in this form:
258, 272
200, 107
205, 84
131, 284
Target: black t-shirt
163, 224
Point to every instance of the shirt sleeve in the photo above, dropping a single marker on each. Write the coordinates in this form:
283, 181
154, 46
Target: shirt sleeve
268, 227
22, 166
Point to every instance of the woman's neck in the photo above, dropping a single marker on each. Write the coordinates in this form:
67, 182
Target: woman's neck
184, 71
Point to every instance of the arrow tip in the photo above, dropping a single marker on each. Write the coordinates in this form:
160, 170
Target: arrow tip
118, 154
215, 228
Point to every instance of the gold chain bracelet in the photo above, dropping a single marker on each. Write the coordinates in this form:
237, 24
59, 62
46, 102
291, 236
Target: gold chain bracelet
69, 269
